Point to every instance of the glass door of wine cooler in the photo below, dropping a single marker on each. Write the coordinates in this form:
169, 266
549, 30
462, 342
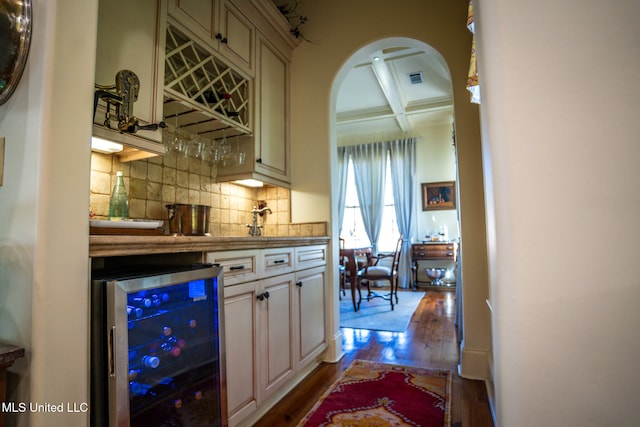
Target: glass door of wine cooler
165, 350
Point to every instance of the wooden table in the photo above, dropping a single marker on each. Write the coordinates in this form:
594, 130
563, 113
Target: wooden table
352, 266
8, 354
431, 251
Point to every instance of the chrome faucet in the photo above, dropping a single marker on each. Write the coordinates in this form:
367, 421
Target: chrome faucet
254, 229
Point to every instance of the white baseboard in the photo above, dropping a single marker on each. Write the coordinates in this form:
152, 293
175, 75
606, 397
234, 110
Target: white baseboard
474, 363
334, 352
488, 383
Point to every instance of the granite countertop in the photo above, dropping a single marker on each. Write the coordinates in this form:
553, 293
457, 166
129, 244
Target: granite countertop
114, 245
9, 353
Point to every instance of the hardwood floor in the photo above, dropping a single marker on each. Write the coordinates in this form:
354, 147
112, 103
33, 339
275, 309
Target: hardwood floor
430, 341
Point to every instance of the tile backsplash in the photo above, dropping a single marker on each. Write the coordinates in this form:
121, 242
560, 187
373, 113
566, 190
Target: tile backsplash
154, 182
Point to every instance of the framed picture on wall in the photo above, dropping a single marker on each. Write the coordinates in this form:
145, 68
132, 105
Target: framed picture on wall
438, 195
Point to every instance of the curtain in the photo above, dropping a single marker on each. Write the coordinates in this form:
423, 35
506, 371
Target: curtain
473, 85
369, 164
343, 167
402, 155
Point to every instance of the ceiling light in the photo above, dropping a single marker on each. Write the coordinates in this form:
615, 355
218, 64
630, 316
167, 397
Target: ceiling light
249, 182
103, 146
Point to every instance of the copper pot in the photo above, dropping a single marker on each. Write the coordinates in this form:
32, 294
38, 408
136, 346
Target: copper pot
188, 220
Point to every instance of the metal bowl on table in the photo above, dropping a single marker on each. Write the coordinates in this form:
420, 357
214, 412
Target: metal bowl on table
436, 275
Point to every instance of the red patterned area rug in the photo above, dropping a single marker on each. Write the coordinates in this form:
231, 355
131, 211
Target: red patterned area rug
380, 395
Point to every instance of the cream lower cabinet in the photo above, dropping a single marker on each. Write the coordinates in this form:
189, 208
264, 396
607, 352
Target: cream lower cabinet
274, 326
241, 349
310, 315
259, 344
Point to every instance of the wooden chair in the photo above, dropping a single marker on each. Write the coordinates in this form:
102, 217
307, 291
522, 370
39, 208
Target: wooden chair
374, 272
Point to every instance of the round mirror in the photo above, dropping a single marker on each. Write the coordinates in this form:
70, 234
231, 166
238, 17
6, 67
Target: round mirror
15, 38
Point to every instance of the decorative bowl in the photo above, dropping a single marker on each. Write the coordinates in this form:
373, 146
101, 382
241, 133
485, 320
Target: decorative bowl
436, 275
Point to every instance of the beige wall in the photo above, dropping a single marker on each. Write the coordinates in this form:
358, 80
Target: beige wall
559, 115
43, 214
338, 29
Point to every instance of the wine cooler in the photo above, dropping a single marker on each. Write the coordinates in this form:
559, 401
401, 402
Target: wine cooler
157, 348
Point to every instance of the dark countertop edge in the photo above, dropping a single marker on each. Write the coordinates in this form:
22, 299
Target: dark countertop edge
107, 245
9, 353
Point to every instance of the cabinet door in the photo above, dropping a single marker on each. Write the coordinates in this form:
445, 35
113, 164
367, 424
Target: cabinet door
131, 37
277, 324
199, 16
237, 37
310, 310
272, 94
241, 344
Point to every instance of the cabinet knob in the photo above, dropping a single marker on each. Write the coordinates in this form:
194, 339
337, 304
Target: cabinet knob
259, 160
222, 39
299, 284
260, 297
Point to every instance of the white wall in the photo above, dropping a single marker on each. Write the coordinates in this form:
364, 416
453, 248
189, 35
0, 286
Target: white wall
44, 214
559, 116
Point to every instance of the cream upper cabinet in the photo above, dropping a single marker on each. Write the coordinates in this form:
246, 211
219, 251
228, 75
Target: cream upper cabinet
239, 33
131, 36
221, 25
267, 152
272, 92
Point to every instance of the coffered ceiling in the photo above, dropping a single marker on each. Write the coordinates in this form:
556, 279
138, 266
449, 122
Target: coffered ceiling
394, 90
396, 86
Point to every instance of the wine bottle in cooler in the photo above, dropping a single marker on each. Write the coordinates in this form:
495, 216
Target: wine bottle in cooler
151, 362
140, 302
134, 312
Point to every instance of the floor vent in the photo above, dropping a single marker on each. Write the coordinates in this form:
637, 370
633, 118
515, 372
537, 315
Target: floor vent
415, 78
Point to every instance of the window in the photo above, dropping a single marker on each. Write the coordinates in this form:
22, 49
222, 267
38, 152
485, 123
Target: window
353, 231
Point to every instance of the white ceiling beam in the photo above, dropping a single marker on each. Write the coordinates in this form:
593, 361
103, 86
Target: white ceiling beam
390, 89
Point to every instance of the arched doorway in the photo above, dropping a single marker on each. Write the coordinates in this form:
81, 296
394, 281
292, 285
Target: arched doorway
401, 87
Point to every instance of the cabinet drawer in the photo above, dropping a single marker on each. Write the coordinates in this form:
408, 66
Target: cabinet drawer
310, 256
238, 266
445, 251
277, 261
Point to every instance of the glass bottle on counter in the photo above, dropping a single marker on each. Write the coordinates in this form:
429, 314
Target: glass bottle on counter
119, 204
